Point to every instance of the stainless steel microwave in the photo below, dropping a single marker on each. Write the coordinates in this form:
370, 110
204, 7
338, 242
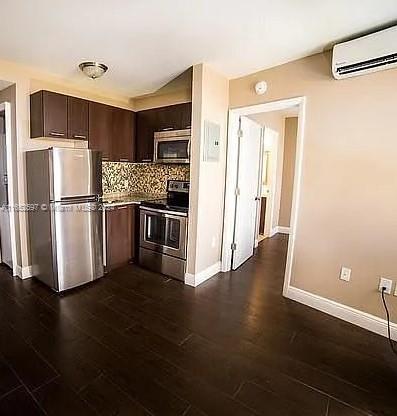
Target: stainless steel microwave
172, 146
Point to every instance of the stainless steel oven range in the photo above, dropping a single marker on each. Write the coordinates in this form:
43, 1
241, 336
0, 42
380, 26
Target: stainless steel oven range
163, 231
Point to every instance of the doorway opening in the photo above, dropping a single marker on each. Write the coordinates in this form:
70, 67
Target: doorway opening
276, 173
264, 163
8, 250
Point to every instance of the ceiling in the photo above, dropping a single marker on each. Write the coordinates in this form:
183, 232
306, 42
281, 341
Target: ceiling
146, 43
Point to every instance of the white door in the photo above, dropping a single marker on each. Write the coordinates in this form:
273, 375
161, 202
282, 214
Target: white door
247, 190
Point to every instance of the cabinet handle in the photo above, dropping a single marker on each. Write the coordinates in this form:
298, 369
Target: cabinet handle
79, 136
167, 129
124, 160
105, 159
146, 160
125, 207
54, 133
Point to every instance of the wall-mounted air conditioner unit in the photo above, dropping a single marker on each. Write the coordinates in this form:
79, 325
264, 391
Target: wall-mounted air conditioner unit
364, 55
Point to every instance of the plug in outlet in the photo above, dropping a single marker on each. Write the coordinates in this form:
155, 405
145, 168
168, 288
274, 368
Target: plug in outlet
387, 284
345, 274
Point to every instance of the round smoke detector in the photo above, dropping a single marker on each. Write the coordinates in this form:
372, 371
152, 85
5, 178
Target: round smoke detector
261, 87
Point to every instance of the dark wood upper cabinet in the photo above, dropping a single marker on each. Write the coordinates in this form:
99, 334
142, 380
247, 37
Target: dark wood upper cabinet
146, 125
173, 117
101, 129
48, 115
123, 143
120, 236
77, 118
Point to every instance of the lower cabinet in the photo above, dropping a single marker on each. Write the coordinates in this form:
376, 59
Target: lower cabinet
121, 229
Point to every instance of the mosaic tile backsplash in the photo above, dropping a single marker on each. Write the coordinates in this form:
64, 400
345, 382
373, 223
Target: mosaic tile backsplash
150, 178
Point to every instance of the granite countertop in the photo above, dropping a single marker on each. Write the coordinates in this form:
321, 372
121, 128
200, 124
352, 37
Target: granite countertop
112, 200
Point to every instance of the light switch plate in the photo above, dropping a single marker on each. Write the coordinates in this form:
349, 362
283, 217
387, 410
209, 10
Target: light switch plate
345, 274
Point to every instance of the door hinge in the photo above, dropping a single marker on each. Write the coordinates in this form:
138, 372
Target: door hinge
237, 191
240, 133
234, 246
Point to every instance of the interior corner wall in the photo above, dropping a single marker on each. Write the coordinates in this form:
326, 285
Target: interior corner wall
210, 101
348, 199
9, 95
288, 170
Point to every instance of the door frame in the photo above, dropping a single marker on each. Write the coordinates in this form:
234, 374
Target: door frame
259, 192
6, 107
231, 177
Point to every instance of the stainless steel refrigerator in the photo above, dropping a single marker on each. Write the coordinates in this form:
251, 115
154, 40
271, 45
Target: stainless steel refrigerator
65, 217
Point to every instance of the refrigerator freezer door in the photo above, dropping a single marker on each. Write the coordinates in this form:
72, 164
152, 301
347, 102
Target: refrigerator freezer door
77, 243
75, 173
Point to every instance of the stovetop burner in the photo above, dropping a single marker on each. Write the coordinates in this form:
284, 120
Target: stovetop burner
166, 205
177, 198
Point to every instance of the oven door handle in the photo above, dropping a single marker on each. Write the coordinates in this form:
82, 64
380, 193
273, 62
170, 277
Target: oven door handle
163, 213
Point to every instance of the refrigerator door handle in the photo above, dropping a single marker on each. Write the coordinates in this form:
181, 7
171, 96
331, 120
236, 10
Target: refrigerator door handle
78, 199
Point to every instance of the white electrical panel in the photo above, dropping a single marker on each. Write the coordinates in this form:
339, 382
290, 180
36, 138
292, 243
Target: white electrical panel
212, 141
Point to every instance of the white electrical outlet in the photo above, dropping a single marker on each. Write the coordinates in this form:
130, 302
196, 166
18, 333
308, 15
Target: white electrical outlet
345, 274
387, 284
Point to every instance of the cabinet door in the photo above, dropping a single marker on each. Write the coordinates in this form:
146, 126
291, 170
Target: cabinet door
55, 115
120, 233
123, 144
77, 118
186, 116
146, 125
174, 117
100, 128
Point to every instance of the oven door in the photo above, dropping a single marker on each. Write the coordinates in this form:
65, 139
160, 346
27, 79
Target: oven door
172, 150
163, 232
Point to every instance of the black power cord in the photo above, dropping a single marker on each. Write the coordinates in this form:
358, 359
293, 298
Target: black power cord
392, 346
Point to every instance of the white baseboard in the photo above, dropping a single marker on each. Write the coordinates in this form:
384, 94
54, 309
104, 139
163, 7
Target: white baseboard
198, 278
23, 272
280, 230
354, 316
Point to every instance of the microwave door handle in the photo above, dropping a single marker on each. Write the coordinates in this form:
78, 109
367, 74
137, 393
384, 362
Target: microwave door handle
188, 149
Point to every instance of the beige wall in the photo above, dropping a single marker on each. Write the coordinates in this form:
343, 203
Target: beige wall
177, 91
287, 184
207, 179
162, 100
348, 206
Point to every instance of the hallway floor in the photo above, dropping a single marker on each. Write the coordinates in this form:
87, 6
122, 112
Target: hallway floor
136, 343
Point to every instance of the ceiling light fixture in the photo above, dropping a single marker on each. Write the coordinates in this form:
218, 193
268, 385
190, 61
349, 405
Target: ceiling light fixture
93, 70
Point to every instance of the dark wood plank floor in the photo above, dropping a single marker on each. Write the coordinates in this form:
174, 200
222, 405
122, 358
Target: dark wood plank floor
136, 343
